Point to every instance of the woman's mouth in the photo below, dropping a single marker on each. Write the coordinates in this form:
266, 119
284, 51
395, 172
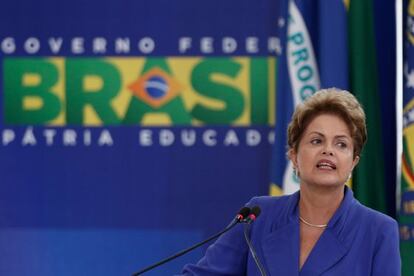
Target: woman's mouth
326, 165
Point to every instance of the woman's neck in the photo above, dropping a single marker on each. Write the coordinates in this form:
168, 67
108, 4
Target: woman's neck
318, 205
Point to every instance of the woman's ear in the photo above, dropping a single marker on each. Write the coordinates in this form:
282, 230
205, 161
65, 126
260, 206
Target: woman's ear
355, 162
293, 157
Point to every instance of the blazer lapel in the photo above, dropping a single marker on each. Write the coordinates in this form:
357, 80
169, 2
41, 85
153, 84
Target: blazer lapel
329, 249
281, 246
281, 250
326, 253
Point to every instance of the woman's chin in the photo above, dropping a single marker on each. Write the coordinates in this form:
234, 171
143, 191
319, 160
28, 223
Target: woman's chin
327, 182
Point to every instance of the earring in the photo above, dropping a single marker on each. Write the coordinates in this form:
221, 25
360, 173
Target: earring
348, 180
296, 173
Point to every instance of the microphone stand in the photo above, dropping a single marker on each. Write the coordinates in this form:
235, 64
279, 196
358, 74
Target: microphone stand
231, 225
251, 248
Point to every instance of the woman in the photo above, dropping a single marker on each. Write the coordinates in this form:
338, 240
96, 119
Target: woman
322, 229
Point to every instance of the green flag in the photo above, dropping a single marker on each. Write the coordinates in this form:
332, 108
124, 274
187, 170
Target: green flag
369, 176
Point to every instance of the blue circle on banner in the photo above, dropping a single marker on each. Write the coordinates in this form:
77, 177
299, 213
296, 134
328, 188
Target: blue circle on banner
156, 87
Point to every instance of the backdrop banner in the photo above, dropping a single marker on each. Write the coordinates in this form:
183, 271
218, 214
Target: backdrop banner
130, 130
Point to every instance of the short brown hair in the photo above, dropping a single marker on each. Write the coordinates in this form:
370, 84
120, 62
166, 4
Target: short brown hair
329, 101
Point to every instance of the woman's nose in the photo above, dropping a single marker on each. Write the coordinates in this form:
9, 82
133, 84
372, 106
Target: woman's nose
327, 152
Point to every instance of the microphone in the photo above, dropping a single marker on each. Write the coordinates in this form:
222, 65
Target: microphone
255, 212
241, 216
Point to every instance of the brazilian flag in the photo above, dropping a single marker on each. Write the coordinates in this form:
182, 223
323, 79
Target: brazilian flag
314, 56
406, 216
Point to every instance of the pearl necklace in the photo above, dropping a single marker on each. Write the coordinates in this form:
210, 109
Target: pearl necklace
311, 224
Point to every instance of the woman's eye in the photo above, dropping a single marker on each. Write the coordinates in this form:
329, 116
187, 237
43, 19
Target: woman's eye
342, 145
315, 141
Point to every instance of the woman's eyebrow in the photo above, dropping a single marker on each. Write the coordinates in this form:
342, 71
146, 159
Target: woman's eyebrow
336, 136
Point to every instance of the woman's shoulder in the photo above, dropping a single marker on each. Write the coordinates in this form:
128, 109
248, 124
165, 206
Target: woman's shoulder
270, 201
373, 217
369, 228
275, 206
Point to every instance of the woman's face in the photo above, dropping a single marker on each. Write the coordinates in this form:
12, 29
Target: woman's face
325, 152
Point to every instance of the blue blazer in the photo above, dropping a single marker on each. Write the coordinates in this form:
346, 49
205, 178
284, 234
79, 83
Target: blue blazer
357, 241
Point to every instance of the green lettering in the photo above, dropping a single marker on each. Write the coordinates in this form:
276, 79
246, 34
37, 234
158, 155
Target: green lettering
78, 97
259, 91
231, 97
15, 91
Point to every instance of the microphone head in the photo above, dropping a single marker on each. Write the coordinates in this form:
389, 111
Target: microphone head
256, 211
243, 213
